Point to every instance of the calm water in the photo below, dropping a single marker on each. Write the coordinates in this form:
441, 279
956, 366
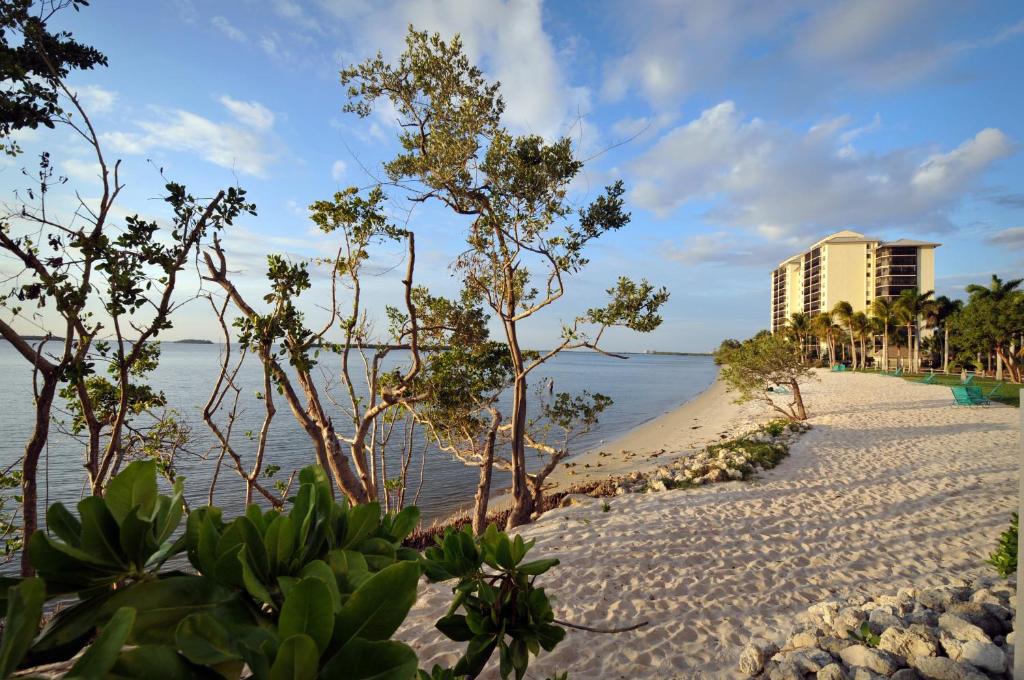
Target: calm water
642, 387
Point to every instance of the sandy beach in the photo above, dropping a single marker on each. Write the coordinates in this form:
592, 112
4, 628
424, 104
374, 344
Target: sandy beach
894, 486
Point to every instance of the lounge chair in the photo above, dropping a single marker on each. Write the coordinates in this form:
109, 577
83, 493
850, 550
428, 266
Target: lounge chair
778, 389
994, 391
968, 396
927, 380
969, 380
898, 373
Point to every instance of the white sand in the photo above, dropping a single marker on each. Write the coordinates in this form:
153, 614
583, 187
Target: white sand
894, 486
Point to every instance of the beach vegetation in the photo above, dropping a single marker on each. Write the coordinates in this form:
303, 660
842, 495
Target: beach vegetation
992, 322
524, 239
317, 589
760, 365
1004, 559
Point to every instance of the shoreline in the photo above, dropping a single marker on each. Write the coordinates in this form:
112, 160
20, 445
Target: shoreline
708, 417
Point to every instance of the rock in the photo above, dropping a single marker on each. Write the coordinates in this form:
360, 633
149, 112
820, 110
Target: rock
984, 655
909, 643
865, 674
986, 595
754, 656
941, 597
877, 660
804, 638
848, 621
833, 671
961, 629
993, 619
809, 660
880, 619
923, 616
573, 499
786, 671
943, 668
717, 475
834, 645
658, 485
905, 674
823, 613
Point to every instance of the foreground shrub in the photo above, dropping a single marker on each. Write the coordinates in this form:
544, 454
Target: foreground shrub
1004, 559
315, 592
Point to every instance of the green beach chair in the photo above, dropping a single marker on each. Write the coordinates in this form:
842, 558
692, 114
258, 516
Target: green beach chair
968, 396
968, 380
992, 392
927, 380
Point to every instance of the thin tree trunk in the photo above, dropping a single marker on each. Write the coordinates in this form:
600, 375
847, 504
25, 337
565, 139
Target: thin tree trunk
945, 350
29, 486
798, 401
483, 487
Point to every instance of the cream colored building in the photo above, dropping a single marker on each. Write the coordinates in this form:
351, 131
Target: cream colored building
849, 266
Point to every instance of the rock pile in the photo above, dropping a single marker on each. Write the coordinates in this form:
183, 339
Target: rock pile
960, 631
729, 460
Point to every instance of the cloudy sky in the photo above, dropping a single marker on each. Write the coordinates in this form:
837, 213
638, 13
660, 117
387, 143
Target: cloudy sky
743, 130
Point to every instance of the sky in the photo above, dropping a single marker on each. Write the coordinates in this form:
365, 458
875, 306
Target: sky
744, 132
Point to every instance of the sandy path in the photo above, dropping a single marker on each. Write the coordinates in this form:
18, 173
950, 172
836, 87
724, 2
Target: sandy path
894, 486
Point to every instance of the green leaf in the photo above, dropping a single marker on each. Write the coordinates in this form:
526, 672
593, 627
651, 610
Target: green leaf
203, 640
454, 627
404, 523
100, 531
279, 540
24, 609
157, 661
251, 579
307, 611
363, 520
102, 654
378, 607
136, 538
537, 566
134, 486
68, 630
64, 525
378, 553
297, 659
372, 660
319, 569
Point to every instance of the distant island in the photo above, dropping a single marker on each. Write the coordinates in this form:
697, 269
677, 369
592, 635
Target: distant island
192, 341
679, 354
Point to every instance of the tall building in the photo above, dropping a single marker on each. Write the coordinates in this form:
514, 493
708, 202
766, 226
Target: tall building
848, 266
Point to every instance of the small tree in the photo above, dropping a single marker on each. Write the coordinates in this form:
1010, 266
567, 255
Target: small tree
762, 363
524, 239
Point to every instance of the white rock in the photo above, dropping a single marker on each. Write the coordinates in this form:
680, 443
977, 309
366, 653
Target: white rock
961, 629
754, 656
877, 660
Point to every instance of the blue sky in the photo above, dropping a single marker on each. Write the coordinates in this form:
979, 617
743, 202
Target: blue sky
743, 131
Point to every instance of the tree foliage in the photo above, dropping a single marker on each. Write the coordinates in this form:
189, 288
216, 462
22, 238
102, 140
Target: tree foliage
759, 365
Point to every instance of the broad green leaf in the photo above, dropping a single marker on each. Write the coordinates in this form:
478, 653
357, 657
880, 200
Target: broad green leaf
297, 659
307, 611
378, 607
162, 605
404, 523
69, 630
537, 566
133, 486
100, 531
319, 569
363, 520
252, 580
454, 627
203, 640
136, 538
280, 542
157, 661
24, 609
64, 525
372, 660
102, 654
378, 553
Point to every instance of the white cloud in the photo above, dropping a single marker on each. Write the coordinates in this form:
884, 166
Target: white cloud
1008, 238
241, 148
228, 29
96, 99
505, 37
760, 175
252, 114
83, 171
338, 170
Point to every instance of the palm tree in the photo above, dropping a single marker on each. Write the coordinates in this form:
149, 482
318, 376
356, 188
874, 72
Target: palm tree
860, 328
825, 327
799, 328
843, 312
999, 294
938, 317
884, 311
914, 304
